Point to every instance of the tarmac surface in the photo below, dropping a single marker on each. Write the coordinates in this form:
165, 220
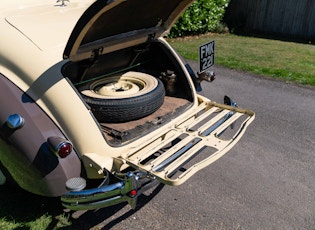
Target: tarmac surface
266, 182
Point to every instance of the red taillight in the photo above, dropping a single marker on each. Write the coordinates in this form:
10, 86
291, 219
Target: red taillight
60, 146
133, 193
64, 149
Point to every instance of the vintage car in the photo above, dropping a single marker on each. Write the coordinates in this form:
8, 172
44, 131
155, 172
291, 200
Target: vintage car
97, 107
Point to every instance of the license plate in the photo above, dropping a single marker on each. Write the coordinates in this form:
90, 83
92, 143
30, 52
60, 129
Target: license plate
206, 56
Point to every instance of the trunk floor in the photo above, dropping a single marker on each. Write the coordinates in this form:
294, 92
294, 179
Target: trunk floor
120, 133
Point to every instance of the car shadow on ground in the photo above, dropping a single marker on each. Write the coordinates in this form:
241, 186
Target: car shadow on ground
106, 218
19, 206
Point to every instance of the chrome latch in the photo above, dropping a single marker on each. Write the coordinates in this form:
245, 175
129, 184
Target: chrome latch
208, 76
63, 2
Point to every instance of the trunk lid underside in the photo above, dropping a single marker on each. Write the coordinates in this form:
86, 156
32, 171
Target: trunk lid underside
107, 26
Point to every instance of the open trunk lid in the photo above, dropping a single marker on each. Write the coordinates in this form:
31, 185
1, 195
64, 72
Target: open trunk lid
111, 25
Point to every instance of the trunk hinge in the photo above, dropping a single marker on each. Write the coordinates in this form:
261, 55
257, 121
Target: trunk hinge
151, 37
96, 53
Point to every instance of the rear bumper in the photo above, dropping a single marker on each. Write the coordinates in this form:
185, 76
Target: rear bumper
126, 190
100, 197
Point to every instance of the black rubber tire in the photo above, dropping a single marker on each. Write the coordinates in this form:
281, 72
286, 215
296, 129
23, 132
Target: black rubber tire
117, 110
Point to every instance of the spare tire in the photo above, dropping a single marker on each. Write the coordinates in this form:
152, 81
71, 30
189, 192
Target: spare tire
122, 98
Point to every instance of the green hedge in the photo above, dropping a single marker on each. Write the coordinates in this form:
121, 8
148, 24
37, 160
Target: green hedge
201, 17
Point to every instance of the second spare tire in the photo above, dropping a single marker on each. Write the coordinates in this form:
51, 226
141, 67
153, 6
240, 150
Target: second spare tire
123, 98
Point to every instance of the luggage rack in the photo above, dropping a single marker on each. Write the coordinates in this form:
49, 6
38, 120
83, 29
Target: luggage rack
172, 156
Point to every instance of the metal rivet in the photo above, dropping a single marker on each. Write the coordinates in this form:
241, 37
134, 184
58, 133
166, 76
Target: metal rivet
15, 121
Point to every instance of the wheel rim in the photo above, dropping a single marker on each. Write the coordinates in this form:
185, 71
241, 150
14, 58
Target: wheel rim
131, 84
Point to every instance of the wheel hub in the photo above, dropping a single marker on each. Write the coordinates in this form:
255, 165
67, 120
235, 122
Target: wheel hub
120, 87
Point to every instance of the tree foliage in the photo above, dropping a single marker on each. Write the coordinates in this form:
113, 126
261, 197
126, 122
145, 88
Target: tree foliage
201, 17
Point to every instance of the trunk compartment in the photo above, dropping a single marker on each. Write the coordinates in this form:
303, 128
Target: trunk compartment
152, 58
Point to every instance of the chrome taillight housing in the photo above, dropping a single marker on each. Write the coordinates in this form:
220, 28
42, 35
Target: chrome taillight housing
60, 146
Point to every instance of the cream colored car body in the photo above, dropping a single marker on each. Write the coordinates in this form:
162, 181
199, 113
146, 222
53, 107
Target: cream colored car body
32, 44
40, 45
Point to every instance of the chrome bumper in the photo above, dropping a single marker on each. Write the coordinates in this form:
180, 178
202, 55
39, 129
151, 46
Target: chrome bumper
124, 191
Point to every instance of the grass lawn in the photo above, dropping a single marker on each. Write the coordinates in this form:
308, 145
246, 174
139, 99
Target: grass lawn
292, 62
25, 211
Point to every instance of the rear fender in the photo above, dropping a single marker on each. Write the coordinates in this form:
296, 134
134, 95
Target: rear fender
24, 151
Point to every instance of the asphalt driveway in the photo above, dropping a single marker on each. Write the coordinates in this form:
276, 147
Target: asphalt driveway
266, 182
